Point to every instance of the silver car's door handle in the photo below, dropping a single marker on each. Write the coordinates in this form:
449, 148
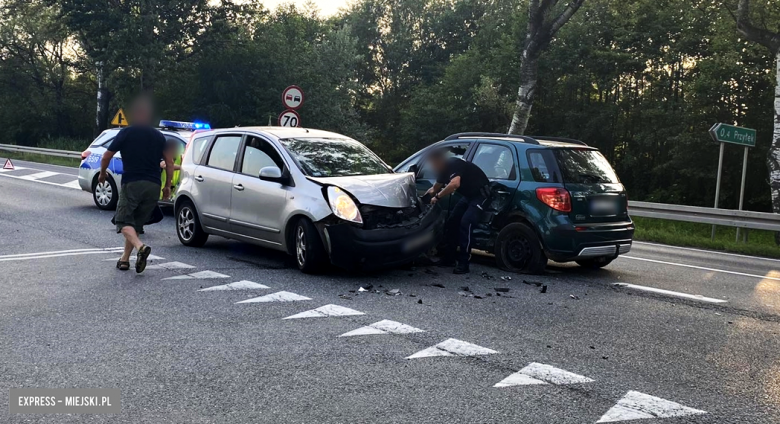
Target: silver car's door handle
199, 179
239, 187
502, 192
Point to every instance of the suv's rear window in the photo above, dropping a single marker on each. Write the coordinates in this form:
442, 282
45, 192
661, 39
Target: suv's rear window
581, 166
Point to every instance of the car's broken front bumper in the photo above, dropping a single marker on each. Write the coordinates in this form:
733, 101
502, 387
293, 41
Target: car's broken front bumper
352, 247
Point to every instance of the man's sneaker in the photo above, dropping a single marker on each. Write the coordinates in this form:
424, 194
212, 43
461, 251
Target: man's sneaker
461, 269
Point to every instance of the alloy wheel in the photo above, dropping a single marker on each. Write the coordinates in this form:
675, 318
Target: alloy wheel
186, 223
300, 246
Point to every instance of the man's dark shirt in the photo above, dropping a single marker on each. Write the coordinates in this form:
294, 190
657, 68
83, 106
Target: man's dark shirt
141, 149
472, 179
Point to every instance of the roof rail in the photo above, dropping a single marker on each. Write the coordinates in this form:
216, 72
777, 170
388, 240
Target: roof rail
524, 139
561, 139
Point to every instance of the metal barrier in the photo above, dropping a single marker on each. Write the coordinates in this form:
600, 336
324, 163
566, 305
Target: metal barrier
724, 217
40, 151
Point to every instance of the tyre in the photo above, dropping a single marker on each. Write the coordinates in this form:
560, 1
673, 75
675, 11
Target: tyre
188, 226
518, 250
310, 254
105, 195
595, 263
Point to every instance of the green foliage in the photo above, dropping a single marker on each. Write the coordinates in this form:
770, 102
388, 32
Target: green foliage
642, 80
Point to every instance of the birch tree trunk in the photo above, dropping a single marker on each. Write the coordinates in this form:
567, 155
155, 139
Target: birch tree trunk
529, 73
773, 158
539, 33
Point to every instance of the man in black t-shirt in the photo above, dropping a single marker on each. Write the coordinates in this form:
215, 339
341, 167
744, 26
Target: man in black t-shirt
469, 181
141, 147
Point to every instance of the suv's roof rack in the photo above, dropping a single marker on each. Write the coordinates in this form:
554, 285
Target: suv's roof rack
524, 139
560, 139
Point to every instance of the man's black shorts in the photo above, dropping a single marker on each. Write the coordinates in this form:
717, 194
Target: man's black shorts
137, 201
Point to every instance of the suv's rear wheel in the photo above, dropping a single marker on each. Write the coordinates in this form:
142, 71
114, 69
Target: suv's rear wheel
310, 254
518, 250
105, 194
188, 225
595, 263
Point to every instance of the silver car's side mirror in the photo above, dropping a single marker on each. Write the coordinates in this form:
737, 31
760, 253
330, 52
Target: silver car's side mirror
271, 173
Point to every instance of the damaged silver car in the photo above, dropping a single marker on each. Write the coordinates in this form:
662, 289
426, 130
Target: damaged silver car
319, 196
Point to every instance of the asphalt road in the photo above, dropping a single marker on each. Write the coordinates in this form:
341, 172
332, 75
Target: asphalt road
69, 319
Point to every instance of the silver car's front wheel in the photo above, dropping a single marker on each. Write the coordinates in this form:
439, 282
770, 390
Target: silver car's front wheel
309, 251
105, 194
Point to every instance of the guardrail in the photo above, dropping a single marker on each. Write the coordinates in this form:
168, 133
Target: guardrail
40, 151
724, 217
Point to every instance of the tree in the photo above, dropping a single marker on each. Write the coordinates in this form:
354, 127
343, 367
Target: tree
541, 30
770, 39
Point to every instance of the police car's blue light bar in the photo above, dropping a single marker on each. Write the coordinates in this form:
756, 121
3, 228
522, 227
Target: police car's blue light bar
185, 125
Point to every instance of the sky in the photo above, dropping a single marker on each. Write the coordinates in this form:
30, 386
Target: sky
327, 7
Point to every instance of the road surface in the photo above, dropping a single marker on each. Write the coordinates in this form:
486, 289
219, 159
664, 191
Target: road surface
571, 346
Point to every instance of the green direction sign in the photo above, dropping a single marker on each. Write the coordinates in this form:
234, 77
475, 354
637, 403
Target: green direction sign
724, 133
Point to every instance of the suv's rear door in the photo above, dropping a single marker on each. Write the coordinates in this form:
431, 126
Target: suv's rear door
597, 196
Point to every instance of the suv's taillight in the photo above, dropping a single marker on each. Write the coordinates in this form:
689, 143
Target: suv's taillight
85, 154
554, 197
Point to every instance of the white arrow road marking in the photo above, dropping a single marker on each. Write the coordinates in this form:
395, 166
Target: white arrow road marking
171, 266
38, 175
636, 405
133, 257
670, 293
202, 275
240, 285
281, 296
73, 184
327, 311
383, 327
453, 347
536, 373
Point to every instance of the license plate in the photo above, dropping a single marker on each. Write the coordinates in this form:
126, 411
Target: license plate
603, 207
418, 241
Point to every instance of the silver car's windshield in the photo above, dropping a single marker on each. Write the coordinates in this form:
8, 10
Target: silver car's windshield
333, 157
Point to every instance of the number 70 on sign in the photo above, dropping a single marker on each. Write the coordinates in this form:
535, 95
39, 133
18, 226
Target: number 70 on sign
289, 118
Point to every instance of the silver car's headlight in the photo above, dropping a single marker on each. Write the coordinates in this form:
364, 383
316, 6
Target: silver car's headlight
343, 206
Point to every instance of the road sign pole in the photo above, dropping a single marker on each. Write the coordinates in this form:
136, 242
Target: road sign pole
742, 187
717, 183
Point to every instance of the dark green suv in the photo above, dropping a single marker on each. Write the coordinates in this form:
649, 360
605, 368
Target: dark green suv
551, 198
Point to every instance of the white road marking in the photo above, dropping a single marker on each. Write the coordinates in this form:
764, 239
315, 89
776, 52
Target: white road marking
717, 252
542, 374
133, 258
39, 175
56, 254
670, 293
16, 168
73, 184
327, 311
383, 327
240, 285
636, 405
202, 275
281, 296
452, 347
25, 178
703, 268
170, 266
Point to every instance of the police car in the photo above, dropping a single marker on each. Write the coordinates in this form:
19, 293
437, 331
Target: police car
106, 195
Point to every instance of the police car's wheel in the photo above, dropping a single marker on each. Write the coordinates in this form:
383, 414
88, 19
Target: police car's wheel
105, 194
188, 225
310, 254
518, 250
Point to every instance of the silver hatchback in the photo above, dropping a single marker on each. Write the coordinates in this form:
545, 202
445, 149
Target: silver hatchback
320, 196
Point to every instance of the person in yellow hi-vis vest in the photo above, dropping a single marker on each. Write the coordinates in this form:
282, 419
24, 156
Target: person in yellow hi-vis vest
176, 151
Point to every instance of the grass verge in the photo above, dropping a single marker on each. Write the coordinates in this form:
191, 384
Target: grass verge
54, 160
689, 234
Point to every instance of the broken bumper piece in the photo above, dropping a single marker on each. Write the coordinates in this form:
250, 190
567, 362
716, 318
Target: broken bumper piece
352, 247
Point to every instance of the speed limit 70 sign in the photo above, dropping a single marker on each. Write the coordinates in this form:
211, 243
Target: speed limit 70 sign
289, 118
